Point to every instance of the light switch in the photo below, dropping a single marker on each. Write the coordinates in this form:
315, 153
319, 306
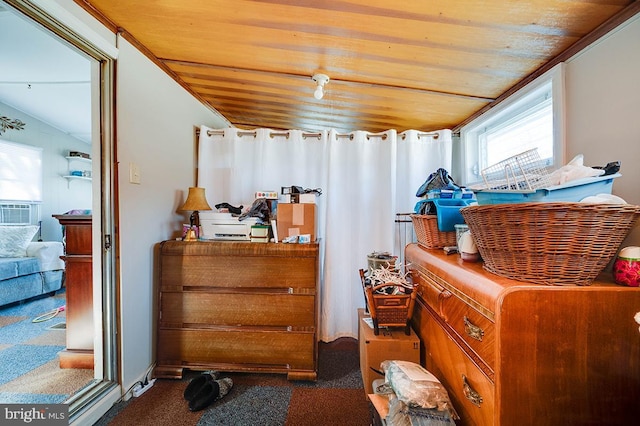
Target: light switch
134, 173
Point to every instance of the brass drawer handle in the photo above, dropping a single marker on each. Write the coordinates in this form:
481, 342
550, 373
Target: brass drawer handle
473, 330
442, 296
469, 393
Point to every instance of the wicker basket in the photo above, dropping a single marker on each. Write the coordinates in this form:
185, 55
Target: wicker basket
389, 310
549, 243
428, 234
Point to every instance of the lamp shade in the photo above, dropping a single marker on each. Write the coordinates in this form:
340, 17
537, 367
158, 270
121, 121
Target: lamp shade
195, 200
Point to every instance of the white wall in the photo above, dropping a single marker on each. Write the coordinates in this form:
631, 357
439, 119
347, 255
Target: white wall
156, 120
603, 108
58, 194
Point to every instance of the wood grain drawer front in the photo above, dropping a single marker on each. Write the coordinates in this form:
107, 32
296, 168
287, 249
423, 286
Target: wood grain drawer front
471, 392
432, 293
475, 329
78, 239
237, 272
238, 309
206, 347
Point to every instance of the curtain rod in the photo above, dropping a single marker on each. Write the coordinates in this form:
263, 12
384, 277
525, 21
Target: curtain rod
253, 133
435, 135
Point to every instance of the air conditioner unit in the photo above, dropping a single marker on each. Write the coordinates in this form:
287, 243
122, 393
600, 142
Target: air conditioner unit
19, 214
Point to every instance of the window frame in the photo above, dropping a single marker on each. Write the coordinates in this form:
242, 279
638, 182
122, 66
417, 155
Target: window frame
524, 99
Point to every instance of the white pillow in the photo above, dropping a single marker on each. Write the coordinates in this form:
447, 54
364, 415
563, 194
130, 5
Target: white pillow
48, 253
14, 239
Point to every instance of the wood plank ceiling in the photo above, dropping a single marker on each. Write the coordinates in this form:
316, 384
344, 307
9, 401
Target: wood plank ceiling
410, 64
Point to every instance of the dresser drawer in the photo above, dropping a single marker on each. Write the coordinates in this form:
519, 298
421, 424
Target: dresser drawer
228, 347
460, 313
430, 291
178, 272
470, 390
475, 329
193, 308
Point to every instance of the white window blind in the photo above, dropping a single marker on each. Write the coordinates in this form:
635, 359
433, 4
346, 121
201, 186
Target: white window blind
20, 172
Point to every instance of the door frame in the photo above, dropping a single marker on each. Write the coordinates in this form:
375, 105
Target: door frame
106, 387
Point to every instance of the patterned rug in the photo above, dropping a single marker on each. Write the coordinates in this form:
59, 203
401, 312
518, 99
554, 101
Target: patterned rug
29, 366
336, 398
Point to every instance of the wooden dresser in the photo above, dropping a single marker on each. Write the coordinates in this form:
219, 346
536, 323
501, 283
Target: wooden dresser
512, 353
238, 306
79, 291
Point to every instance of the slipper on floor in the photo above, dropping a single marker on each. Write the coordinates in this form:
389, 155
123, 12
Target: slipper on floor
210, 392
196, 384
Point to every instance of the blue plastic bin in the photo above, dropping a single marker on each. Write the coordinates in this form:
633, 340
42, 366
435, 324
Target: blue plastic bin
450, 193
571, 192
448, 212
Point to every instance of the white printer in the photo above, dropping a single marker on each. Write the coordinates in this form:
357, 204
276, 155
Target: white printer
224, 226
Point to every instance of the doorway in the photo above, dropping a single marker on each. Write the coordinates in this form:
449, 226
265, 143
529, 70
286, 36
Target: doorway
51, 123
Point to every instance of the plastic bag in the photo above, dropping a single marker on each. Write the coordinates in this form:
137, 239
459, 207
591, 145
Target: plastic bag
574, 170
416, 387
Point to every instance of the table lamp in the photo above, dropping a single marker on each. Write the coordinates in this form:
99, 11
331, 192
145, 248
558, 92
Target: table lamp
196, 201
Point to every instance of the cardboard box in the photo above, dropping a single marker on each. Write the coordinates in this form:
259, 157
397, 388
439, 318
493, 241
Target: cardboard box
296, 219
390, 344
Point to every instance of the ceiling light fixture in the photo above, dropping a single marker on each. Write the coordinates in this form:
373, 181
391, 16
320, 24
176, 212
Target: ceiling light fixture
320, 80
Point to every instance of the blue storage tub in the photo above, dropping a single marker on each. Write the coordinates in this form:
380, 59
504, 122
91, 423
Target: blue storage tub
571, 192
450, 193
448, 212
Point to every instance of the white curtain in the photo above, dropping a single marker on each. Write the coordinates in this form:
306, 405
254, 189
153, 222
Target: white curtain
365, 180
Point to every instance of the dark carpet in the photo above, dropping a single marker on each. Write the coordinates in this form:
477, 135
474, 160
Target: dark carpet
336, 398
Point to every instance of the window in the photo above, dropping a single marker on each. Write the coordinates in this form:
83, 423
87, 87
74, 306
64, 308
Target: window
20, 172
531, 118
